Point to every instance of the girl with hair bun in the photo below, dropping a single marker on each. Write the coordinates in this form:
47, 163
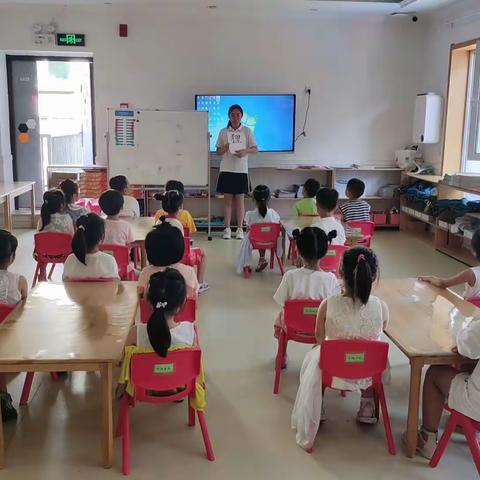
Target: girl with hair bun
310, 281
262, 214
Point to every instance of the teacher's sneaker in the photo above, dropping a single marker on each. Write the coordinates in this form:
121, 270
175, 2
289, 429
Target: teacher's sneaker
239, 234
227, 234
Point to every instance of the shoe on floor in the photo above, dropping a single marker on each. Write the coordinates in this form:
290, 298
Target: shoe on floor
426, 443
262, 265
203, 287
366, 413
239, 234
227, 234
8, 411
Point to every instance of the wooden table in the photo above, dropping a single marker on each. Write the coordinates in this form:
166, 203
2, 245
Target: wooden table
423, 324
10, 191
71, 327
140, 226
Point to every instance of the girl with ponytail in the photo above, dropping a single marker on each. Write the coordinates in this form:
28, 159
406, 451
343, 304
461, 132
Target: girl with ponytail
354, 314
263, 214
87, 261
167, 293
53, 216
310, 281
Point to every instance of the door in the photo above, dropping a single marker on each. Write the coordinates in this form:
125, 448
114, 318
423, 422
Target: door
51, 116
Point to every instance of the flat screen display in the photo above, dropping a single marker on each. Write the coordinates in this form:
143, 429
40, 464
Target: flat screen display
271, 117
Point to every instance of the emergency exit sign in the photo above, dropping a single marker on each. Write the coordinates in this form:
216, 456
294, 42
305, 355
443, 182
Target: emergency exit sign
71, 39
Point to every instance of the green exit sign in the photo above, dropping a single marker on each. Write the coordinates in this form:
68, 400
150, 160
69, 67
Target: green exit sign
71, 39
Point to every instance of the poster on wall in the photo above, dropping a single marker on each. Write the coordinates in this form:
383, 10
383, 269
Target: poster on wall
124, 128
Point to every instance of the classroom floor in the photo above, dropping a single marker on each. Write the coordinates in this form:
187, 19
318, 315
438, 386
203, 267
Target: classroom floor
58, 433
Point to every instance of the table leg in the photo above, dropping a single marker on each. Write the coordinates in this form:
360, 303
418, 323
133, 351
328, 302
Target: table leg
32, 205
416, 365
7, 214
2, 443
107, 414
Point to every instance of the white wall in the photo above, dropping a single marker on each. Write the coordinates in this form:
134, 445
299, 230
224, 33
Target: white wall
455, 24
364, 71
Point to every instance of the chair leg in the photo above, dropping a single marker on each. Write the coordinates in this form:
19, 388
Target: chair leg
206, 436
26, 388
35, 276
472, 443
191, 415
272, 257
343, 393
51, 271
444, 439
125, 437
280, 264
279, 359
386, 420
119, 430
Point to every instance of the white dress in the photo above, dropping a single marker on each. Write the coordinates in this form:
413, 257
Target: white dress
183, 335
474, 291
464, 393
251, 217
328, 224
344, 320
9, 292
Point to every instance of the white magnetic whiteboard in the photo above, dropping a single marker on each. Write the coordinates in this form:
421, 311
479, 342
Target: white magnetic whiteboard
151, 147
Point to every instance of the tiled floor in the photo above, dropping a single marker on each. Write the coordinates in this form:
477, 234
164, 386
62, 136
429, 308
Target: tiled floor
57, 435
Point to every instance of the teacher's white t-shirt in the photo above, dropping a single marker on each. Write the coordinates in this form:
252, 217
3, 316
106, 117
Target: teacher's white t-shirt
242, 136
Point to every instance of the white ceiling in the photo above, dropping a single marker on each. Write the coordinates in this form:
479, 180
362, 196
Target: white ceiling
327, 6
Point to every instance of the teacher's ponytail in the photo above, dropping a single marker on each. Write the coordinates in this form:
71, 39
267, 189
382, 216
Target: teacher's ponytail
230, 110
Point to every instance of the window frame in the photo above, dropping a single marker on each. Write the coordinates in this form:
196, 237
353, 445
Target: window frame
473, 131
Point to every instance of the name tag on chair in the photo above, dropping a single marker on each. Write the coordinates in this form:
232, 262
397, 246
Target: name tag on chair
331, 253
164, 368
265, 229
310, 310
354, 357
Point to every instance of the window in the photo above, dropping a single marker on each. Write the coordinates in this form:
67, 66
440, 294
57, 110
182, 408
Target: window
472, 123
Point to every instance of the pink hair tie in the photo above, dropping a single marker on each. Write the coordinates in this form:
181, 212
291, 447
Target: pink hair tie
360, 258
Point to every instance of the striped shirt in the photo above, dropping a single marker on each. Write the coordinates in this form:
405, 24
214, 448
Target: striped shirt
358, 210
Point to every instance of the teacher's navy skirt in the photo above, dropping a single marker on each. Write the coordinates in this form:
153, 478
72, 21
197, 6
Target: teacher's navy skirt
233, 183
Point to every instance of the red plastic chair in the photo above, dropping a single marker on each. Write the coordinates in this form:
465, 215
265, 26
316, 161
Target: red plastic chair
94, 206
356, 359
5, 310
121, 253
469, 427
365, 228
149, 372
192, 255
475, 301
50, 247
300, 317
332, 260
264, 236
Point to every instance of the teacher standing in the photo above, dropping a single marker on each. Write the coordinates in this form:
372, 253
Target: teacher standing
234, 143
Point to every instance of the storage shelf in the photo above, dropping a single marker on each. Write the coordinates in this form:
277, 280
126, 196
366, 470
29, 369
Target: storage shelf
461, 189
426, 178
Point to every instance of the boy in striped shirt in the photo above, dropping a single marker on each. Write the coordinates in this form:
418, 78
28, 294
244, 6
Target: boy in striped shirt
355, 209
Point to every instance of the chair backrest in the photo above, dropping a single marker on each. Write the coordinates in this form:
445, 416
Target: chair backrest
94, 206
148, 372
187, 314
331, 261
475, 301
53, 247
300, 317
364, 228
121, 253
186, 232
353, 359
264, 236
5, 310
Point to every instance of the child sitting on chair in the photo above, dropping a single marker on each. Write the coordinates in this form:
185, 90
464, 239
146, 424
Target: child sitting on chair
117, 231
53, 217
71, 191
355, 209
130, 204
354, 314
470, 277
308, 205
327, 199
13, 289
262, 214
